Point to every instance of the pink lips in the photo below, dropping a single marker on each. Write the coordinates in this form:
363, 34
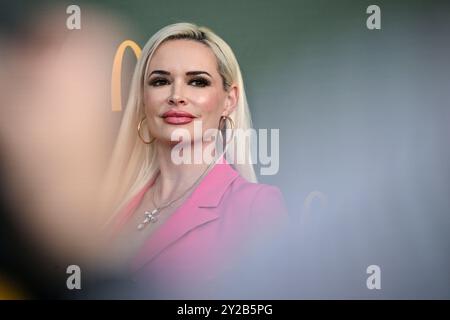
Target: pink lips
177, 117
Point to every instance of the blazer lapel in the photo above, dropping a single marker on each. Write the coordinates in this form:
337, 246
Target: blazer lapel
190, 215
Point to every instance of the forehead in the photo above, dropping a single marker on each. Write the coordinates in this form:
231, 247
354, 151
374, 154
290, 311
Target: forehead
183, 55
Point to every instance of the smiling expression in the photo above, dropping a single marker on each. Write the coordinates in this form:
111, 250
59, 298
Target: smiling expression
183, 85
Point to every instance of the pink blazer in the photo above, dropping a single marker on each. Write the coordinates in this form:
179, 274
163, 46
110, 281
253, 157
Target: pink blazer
207, 234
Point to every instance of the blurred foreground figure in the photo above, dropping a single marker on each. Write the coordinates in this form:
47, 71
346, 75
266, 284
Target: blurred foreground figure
56, 129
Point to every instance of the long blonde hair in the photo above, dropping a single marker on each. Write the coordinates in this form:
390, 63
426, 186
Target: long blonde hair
133, 163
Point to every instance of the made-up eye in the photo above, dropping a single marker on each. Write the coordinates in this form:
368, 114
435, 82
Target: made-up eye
158, 82
199, 82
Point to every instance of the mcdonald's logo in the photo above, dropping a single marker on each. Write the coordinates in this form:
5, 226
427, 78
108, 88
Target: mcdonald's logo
116, 89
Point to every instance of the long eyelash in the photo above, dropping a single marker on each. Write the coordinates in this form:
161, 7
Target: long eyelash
156, 80
204, 82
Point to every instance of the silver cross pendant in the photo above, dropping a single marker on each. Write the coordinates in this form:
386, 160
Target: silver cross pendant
149, 217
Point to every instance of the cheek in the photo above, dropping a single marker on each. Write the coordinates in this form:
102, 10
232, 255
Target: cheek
208, 102
153, 99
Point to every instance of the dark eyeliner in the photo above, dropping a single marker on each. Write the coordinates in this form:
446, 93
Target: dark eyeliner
153, 82
203, 82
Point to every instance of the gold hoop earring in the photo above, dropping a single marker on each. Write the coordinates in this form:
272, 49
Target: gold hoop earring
223, 127
139, 132
223, 119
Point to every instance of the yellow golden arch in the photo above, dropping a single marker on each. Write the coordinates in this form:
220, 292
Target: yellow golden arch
116, 92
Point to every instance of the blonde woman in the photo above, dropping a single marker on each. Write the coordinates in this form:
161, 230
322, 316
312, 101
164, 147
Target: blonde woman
189, 221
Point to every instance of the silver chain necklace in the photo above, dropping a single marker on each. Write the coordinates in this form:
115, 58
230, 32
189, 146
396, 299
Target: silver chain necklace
152, 216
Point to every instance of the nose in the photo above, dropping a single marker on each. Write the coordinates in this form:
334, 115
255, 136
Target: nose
175, 101
176, 98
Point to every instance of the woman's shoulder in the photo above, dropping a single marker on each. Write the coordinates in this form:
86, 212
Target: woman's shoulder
261, 207
255, 189
261, 198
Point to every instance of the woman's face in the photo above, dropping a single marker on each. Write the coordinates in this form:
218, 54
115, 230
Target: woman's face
184, 86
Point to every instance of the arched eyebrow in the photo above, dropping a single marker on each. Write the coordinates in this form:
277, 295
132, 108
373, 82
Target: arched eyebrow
189, 73
195, 73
